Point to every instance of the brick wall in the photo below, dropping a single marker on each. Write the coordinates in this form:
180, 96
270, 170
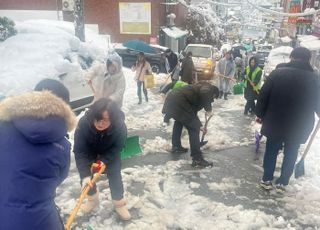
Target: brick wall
106, 14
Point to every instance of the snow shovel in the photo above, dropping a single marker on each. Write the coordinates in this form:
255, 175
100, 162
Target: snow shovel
203, 142
299, 169
131, 148
83, 195
165, 83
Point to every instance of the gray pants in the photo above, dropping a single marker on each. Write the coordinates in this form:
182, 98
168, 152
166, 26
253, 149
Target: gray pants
224, 84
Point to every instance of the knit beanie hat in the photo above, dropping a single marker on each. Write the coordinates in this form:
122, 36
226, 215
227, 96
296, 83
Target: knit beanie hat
56, 87
301, 53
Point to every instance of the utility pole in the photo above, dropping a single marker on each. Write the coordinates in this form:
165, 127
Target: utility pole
79, 19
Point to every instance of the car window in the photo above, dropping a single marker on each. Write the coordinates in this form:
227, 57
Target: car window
198, 51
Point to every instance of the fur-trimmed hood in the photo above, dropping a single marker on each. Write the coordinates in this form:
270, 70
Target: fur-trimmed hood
37, 105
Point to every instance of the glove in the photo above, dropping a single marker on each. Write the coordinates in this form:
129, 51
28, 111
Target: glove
96, 166
259, 120
85, 181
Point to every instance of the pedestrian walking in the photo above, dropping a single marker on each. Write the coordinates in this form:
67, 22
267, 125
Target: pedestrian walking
225, 70
172, 60
100, 136
252, 85
182, 105
108, 81
286, 107
187, 69
35, 156
142, 67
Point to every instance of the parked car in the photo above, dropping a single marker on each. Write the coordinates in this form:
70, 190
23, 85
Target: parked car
47, 49
129, 58
204, 60
276, 56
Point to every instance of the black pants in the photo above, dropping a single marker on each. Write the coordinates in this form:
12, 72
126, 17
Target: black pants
270, 160
193, 131
250, 106
140, 85
113, 171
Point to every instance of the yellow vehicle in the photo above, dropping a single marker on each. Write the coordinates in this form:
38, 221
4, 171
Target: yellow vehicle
204, 60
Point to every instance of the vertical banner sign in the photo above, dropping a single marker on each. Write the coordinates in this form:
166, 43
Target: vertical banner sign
307, 4
135, 18
294, 7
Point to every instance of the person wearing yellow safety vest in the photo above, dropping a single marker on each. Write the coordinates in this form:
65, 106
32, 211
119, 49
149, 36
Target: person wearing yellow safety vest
252, 82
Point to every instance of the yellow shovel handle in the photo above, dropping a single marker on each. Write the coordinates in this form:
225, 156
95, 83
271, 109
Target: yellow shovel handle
83, 196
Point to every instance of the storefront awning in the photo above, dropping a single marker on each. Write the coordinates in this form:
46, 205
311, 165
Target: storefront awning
174, 32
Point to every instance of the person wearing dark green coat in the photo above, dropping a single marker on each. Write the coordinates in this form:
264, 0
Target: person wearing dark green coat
182, 105
252, 82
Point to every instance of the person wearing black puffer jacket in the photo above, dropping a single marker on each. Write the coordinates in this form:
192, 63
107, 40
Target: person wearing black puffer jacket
100, 136
286, 107
183, 105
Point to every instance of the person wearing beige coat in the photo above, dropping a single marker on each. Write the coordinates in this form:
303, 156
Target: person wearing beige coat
142, 68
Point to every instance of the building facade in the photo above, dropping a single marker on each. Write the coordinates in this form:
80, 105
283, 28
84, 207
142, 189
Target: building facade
121, 19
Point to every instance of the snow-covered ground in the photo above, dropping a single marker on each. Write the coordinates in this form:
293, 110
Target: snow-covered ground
169, 200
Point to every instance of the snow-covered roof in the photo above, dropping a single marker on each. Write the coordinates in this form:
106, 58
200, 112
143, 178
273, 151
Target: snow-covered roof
286, 39
281, 49
200, 45
174, 32
163, 48
311, 45
304, 38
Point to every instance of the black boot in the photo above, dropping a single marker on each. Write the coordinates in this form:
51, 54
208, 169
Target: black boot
146, 97
225, 96
201, 163
179, 149
140, 101
220, 94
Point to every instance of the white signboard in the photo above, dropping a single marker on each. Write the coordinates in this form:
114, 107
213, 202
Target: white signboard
135, 18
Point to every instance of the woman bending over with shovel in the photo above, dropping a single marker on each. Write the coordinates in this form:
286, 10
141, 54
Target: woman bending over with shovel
100, 136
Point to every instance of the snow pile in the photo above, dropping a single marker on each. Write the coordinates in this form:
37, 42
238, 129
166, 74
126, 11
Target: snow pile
227, 184
42, 49
168, 202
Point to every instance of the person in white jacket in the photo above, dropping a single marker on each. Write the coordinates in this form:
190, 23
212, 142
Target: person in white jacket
108, 81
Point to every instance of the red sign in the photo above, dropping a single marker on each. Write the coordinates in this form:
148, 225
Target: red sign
307, 4
295, 7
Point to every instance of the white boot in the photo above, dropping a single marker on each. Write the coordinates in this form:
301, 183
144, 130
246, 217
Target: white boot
91, 203
121, 210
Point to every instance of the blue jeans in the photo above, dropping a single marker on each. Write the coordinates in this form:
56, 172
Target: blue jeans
140, 85
270, 160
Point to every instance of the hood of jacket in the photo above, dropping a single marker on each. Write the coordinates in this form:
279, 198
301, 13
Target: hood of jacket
40, 117
116, 60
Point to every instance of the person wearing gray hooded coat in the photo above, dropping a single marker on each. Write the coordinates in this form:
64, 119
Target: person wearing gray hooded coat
108, 81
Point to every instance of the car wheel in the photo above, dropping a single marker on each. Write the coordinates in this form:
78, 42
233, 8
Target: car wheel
155, 68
